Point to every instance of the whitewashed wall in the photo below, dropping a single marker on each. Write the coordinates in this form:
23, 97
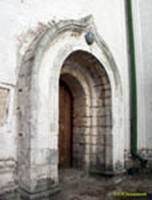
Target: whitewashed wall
143, 41
18, 17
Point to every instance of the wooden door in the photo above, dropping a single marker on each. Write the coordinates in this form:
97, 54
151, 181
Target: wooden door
65, 126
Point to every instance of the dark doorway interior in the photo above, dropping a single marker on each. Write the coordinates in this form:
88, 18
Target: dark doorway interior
85, 117
65, 126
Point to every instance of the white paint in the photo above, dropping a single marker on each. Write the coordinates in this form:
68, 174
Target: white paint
17, 18
143, 32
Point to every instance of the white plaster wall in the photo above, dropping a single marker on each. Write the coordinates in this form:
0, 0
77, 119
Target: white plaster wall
18, 16
143, 33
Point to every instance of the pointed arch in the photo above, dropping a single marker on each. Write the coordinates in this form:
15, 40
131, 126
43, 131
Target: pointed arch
37, 97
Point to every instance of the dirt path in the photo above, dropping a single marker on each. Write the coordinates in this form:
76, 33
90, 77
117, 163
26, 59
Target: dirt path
76, 185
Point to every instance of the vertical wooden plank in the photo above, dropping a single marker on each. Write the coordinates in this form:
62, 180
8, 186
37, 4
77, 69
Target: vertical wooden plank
65, 126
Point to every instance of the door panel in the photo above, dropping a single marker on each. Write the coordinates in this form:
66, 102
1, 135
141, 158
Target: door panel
65, 126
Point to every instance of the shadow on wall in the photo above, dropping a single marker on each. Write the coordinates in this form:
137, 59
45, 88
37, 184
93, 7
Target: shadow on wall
92, 115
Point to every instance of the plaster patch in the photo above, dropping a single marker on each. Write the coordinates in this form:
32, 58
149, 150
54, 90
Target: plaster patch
4, 93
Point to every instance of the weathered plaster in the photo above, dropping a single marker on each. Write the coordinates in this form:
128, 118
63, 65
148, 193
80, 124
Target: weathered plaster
38, 108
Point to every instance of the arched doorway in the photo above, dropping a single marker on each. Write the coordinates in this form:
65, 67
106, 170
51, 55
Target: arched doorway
98, 124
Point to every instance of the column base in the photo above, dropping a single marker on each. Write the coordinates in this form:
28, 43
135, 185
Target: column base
39, 195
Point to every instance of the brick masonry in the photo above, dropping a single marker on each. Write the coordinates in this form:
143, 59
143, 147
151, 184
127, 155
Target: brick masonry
92, 124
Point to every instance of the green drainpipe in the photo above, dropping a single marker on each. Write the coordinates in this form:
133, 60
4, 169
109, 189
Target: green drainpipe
133, 85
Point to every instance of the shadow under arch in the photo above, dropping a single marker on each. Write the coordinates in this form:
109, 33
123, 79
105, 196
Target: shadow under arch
93, 129
80, 101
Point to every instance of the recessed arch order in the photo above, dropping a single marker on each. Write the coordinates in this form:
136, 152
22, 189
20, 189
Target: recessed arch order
37, 98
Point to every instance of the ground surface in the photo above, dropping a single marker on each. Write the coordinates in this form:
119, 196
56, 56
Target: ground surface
76, 185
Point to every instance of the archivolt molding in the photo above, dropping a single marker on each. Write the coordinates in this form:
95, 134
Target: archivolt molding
35, 43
